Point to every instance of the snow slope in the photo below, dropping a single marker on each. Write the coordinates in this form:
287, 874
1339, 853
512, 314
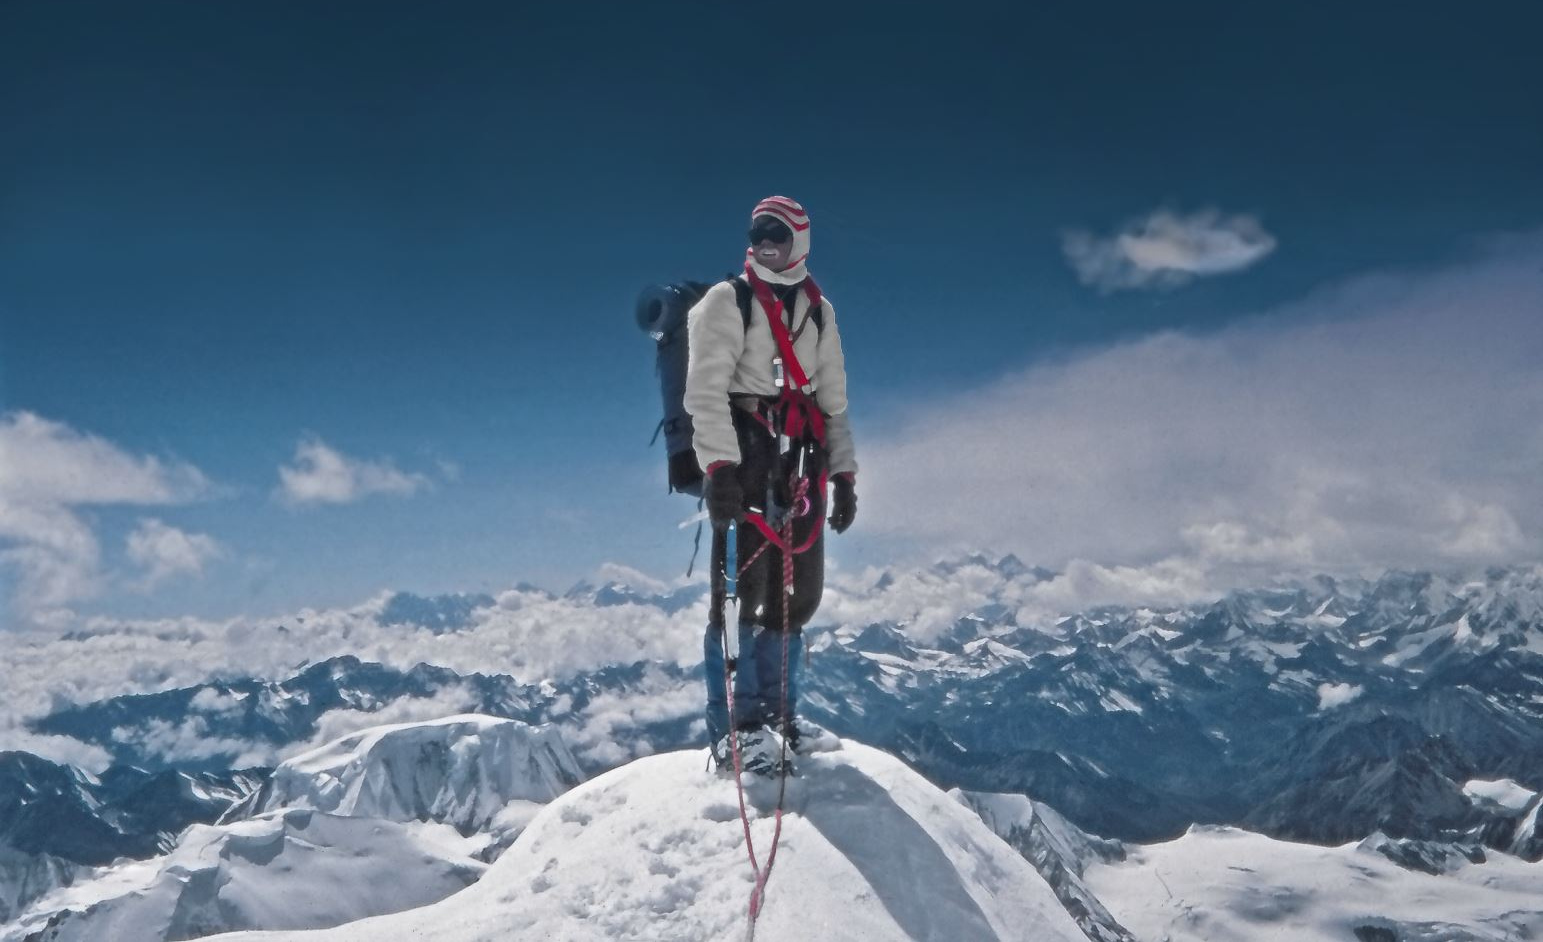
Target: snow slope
1229, 885
1058, 849
654, 850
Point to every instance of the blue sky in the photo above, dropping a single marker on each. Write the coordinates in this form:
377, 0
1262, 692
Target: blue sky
410, 237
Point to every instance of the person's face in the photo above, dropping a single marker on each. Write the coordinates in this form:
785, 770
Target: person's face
771, 242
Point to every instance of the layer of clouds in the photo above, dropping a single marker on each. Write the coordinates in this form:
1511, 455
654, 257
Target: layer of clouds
927, 600
188, 740
604, 731
528, 634
50, 473
1166, 249
1390, 422
320, 474
163, 551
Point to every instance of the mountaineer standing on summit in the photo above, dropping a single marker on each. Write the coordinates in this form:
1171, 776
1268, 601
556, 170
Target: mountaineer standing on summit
766, 389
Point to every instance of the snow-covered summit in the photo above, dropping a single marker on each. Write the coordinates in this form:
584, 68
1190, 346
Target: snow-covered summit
870, 851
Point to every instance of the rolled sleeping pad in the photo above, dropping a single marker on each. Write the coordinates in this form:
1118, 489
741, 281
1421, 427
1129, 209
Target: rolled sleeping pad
661, 309
661, 313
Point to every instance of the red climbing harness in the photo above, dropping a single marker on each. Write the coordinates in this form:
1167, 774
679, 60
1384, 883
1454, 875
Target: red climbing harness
797, 414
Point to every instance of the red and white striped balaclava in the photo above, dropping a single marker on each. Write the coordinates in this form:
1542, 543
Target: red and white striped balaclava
792, 213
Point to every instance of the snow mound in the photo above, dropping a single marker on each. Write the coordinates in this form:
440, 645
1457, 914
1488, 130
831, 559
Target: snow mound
1224, 883
286, 869
461, 770
655, 850
1502, 796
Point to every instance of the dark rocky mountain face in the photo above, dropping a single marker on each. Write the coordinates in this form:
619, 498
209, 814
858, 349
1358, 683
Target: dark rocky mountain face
1323, 711
55, 810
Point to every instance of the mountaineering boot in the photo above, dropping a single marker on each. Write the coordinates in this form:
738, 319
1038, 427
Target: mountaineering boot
760, 753
805, 737
718, 753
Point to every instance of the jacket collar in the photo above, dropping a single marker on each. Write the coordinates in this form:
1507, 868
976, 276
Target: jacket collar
792, 275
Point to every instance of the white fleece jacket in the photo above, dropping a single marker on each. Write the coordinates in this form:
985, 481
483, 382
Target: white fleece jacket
727, 358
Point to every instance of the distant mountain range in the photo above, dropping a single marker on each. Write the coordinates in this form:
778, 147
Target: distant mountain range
1323, 711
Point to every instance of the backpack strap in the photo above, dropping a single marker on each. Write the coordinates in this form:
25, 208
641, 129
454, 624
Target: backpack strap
743, 294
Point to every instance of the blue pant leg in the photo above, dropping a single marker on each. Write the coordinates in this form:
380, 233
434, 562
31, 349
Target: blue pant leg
749, 706
717, 696
795, 664
768, 666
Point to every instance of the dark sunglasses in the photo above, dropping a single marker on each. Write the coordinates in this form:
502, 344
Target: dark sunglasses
770, 230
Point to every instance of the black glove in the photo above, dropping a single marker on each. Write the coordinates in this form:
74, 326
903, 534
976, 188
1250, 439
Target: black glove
685, 473
843, 502
725, 499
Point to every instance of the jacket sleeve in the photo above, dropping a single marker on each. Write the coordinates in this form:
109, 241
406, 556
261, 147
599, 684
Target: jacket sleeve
715, 339
830, 378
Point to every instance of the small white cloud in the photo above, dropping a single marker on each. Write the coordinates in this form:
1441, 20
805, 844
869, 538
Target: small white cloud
1334, 695
213, 701
49, 472
164, 551
335, 724
63, 750
321, 474
1085, 584
1483, 531
1166, 249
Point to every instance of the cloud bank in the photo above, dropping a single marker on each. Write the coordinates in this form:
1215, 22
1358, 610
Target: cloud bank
1395, 421
526, 633
321, 474
1165, 250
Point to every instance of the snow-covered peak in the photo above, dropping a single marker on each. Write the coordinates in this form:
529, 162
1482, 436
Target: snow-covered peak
462, 770
1511, 596
870, 851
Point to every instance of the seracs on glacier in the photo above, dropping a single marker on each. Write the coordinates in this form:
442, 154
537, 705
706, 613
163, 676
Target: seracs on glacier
379, 821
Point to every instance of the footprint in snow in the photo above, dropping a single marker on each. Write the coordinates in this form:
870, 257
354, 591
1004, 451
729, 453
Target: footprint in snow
720, 812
